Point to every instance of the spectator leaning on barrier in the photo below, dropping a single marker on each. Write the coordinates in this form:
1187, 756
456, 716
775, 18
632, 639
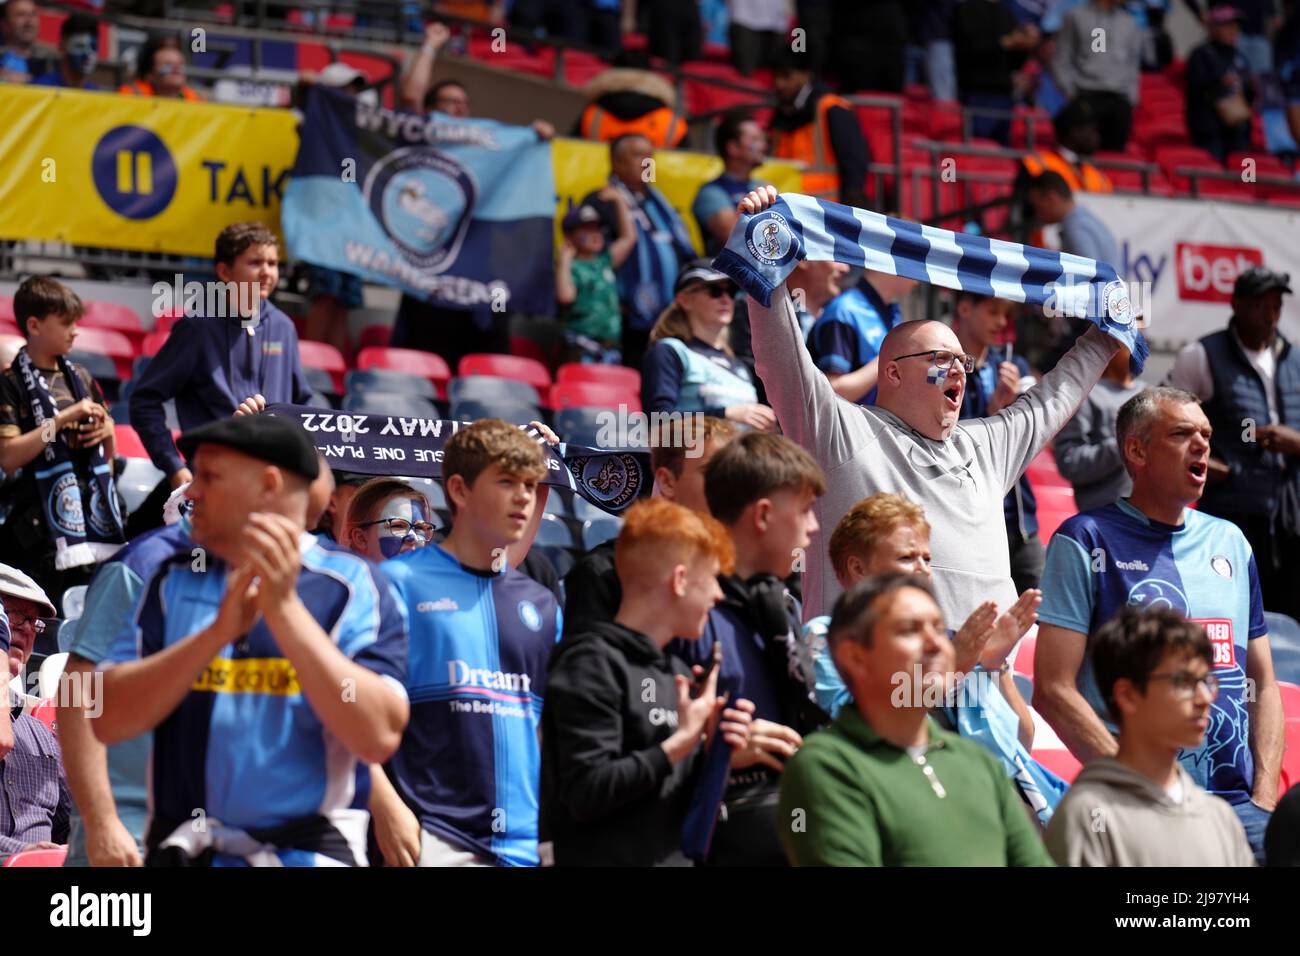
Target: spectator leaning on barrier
585, 283
462, 790
741, 143
678, 456
1155, 672
820, 130
885, 785
64, 512
160, 68
211, 365
258, 636
1247, 377
388, 517
78, 38
1101, 68
36, 804
1151, 550
623, 738
690, 366
1087, 452
1220, 87
645, 280
20, 24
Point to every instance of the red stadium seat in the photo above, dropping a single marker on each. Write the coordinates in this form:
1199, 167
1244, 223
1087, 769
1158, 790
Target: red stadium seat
47, 712
593, 395
1043, 472
325, 357
373, 335
114, 315
620, 376
528, 348
153, 343
10, 327
507, 366
1055, 505
1233, 189
128, 442
7, 308
1060, 762
412, 361
108, 342
53, 857
1290, 772
1290, 700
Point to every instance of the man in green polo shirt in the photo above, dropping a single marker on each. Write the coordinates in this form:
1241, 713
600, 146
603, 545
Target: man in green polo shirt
885, 785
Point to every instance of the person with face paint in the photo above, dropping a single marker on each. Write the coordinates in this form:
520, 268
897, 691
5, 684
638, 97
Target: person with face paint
388, 517
77, 56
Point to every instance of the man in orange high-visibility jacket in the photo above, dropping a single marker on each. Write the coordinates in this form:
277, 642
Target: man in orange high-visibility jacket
819, 130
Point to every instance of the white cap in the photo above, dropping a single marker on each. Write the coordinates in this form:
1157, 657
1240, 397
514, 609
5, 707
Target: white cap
339, 74
14, 583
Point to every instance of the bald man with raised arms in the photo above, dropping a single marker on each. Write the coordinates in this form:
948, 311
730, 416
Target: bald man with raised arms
910, 442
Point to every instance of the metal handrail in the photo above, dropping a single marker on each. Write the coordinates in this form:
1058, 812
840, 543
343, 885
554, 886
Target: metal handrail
1196, 174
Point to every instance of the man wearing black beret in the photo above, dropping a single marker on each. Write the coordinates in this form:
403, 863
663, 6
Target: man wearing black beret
268, 667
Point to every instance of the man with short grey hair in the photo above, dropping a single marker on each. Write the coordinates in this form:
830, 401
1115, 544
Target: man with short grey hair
1150, 550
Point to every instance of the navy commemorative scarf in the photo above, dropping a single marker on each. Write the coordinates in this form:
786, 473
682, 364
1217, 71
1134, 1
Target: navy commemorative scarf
81, 535
764, 248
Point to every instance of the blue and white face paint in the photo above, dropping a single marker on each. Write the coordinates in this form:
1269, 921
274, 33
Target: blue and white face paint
405, 526
936, 376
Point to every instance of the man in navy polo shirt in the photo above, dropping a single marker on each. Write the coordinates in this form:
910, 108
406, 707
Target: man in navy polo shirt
268, 668
463, 789
845, 341
211, 365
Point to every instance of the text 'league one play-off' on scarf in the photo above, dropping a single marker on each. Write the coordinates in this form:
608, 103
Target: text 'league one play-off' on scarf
764, 249
408, 447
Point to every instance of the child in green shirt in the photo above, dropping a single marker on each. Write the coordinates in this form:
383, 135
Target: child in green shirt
585, 282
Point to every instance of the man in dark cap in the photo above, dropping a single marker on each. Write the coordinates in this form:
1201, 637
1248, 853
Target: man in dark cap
268, 667
1247, 377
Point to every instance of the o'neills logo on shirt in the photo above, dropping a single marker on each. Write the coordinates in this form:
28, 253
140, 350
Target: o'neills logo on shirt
460, 674
1134, 565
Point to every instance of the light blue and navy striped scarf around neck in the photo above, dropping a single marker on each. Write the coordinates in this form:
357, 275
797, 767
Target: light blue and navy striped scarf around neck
765, 248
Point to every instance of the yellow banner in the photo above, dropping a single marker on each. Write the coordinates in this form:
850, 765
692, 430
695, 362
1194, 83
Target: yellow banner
127, 172
249, 675
582, 167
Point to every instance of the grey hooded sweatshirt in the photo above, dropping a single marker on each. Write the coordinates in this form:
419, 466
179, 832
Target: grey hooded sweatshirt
1114, 816
959, 482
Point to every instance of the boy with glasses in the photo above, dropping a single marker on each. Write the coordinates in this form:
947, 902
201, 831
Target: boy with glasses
388, 517
1140, 807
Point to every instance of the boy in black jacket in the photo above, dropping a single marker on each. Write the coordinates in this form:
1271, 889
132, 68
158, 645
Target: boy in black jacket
762, 488
621, 733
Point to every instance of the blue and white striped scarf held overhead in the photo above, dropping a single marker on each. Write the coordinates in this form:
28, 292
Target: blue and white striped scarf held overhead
765, 248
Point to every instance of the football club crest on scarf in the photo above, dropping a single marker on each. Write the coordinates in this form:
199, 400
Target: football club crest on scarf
765, 247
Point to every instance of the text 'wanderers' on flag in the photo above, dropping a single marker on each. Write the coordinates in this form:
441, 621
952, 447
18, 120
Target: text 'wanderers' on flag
435, 205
